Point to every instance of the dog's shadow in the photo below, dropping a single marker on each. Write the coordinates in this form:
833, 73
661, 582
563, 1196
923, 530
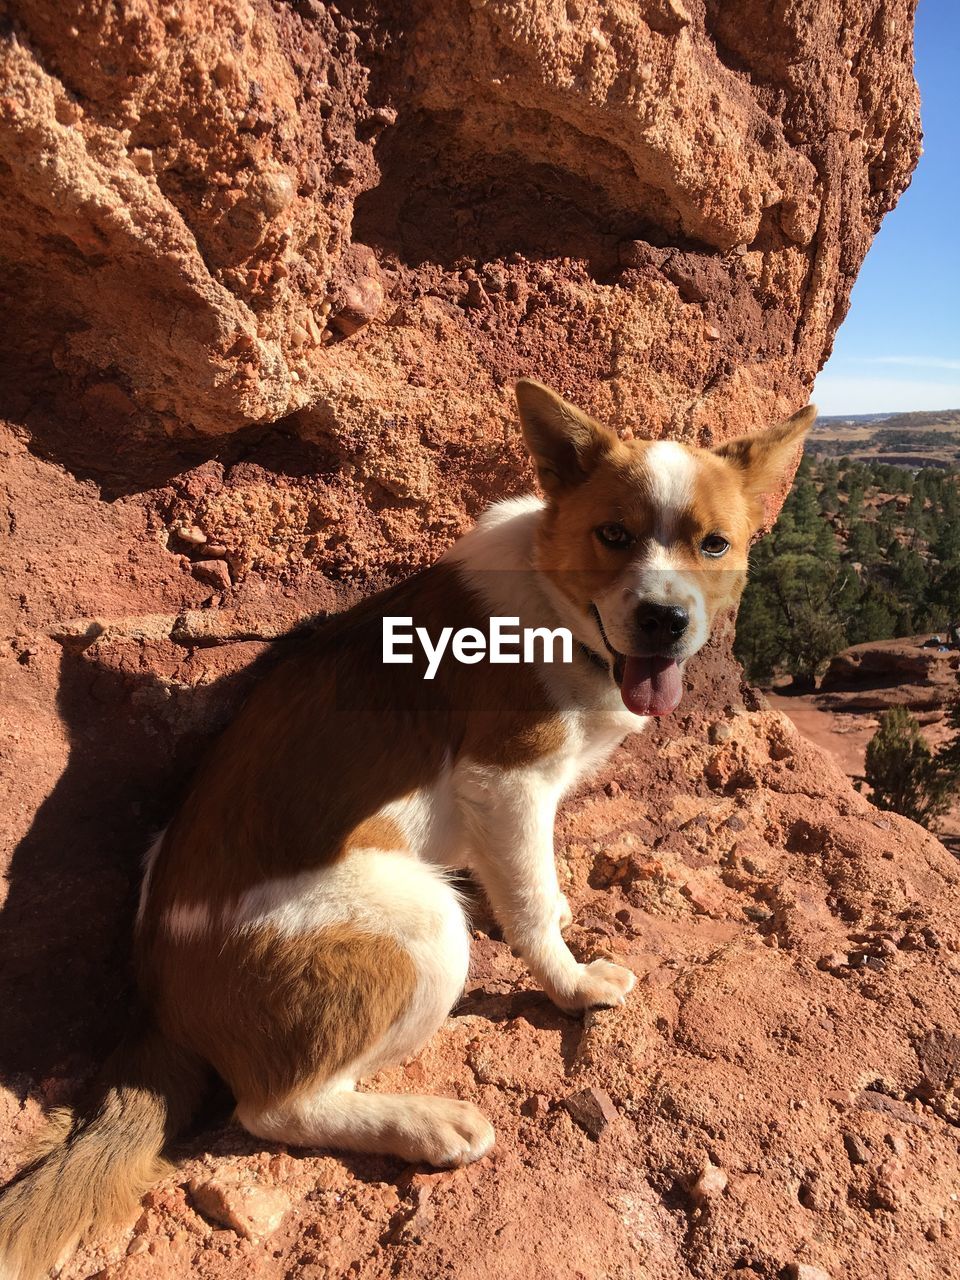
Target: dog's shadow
66, 992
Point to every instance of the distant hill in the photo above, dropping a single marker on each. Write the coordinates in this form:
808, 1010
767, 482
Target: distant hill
918, 439
916, 418
925, 419
850, 419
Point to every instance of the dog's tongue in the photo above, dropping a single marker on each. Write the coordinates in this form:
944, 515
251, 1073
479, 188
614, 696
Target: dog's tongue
651, 686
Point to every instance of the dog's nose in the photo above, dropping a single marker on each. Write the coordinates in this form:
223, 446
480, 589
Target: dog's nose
661, 625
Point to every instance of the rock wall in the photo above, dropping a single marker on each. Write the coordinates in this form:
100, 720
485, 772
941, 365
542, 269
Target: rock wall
269, 272
365, 222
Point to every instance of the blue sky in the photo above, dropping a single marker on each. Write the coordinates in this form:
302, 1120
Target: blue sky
899, 347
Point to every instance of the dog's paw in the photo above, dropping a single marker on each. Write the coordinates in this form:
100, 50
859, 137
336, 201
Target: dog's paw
600, 983
458, 1134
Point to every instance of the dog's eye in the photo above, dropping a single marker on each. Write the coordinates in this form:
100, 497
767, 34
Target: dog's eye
714, 545
614, 535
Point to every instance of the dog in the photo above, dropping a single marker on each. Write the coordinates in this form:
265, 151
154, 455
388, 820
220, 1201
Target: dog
298, 928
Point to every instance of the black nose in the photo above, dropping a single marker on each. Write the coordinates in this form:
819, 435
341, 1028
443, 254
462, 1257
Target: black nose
661, 625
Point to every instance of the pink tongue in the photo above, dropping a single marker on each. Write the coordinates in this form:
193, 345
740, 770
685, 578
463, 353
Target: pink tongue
651, 686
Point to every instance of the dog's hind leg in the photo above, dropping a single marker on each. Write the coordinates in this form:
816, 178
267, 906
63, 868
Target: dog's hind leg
443, 1132
405, 953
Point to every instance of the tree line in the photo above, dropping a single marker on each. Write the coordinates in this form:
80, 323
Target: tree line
861, 551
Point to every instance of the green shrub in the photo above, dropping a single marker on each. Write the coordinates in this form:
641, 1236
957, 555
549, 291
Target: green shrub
902, 771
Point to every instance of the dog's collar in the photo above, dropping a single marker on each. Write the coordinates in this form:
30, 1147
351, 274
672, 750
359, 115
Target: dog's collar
614, 665
595, 659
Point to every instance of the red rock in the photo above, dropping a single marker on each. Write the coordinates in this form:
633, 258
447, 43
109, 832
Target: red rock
362, 302
592, 1109
893, 1107
415, 1218
939, 1054
614, 865
712, 1182
857, 1150
251, 1211
190, 534
213, 572
536, 1107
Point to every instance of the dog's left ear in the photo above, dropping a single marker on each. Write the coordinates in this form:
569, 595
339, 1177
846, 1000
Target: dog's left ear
565, 443
765, 458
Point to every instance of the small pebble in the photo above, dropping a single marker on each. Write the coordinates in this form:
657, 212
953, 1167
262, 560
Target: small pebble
362, 303
190, 533
592, 1109
214, 573
711, 1183
494, 280
857, 1149
250, 1210
536, 1106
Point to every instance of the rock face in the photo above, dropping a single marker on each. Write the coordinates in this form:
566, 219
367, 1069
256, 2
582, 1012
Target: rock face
366, 222
271, 269
917, 673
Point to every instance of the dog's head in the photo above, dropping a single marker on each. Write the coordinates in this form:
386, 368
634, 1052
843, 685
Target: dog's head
645, 542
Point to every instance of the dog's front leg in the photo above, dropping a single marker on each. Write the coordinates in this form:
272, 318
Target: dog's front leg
512, 815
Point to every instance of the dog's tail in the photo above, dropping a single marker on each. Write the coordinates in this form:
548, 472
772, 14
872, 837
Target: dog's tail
91, 1167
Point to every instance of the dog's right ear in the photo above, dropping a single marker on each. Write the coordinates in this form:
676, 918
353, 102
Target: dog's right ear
766, 459
564, 442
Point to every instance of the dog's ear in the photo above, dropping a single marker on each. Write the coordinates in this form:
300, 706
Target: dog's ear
564, 443
765, 458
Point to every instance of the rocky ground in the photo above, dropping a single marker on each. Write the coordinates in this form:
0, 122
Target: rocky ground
778, 1098
778, 1094
864, 681
919, 672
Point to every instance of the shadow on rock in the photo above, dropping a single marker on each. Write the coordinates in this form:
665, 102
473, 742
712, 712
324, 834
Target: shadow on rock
66, 990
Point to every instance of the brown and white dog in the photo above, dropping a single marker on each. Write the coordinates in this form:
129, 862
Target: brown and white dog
297, 928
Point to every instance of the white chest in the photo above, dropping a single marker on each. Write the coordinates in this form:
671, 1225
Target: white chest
595, 737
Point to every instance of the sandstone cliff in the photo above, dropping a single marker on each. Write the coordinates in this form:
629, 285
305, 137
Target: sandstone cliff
270, 270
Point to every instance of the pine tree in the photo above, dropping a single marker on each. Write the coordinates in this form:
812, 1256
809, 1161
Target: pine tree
804, 600
829, 496
793, 611
887, 521
854, 509
948, 757
875, 615
909, 580
862, 544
